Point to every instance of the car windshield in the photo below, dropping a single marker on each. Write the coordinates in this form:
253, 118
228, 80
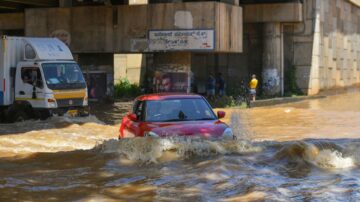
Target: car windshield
178, 110
63, 76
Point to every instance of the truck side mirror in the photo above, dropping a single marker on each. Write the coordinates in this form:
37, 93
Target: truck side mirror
34, 81
34, 91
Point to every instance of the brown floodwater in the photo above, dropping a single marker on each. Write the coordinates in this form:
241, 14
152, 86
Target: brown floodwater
304, 151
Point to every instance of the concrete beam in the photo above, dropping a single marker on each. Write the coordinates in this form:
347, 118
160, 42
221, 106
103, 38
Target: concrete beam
138, 2
65, 3
12, 21
35, 2
276, 12
355, 2
9, 6
125, 29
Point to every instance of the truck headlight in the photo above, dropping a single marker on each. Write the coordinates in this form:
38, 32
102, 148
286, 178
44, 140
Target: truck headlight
86, 101
228, 134
150, 134
51, 102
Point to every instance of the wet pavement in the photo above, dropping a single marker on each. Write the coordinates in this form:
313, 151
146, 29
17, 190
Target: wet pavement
304, 151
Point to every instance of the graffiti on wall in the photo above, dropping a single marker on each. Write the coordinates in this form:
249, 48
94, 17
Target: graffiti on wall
139, 45
171, 78
271, 79
63, 35
167, 40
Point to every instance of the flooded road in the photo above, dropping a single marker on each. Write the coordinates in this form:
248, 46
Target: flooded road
305, 151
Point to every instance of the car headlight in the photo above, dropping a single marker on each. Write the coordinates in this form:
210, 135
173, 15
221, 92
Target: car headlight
150, 134
228, 134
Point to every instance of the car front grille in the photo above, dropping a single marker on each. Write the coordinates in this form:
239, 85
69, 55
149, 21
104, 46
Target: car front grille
76, 102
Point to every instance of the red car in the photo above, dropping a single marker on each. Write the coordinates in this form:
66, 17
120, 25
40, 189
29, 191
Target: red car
165, 114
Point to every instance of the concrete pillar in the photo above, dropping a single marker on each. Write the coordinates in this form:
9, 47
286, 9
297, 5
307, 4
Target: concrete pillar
137, 2
234, 2
272, 78
65, 3
129, 66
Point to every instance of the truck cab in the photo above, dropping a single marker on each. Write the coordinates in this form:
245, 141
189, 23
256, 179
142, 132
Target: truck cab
40, 78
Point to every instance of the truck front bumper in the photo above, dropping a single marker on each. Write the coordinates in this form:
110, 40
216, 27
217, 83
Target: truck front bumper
73, 111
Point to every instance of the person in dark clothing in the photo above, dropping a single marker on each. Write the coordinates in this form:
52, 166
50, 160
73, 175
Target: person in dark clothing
210, 87
220, 84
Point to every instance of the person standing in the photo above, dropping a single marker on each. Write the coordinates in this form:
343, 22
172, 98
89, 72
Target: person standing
253, 85
220, 83
157, 82
166, 83
210, 87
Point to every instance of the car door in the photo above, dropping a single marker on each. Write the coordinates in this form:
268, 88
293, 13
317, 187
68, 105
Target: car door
133, 126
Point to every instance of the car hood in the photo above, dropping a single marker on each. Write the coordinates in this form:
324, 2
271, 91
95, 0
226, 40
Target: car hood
213, 128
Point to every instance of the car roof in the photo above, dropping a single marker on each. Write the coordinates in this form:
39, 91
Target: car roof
167, 96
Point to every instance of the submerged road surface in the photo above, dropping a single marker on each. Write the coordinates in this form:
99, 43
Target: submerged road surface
303, 151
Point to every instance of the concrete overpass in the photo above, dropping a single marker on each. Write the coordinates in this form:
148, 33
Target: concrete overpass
285, 42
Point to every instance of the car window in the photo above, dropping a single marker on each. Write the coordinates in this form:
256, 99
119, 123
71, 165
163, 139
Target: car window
178, 110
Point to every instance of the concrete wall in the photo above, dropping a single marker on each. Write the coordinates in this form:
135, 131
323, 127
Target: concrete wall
321, 48
273, 12
235, 67
337, 43
94, 64
171, 62
327, 45
130, 66
298, 50
12, 21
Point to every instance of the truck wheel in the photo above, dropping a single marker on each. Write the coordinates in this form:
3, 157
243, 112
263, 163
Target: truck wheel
84, 114
19, 116
44, 114
18, 113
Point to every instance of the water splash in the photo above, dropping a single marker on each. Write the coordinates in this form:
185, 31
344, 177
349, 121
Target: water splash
320, 154
148, 149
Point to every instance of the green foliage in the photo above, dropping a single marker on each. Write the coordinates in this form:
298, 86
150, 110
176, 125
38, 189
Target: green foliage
124, 89
290, 79
225, 101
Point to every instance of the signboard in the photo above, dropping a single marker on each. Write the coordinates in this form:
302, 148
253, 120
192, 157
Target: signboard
178, 40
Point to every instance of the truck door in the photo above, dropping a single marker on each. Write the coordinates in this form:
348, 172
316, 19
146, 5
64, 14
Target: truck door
29, 86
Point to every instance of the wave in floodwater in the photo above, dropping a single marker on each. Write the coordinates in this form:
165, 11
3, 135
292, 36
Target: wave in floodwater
322, 154
56, 134
188, 169
79, 159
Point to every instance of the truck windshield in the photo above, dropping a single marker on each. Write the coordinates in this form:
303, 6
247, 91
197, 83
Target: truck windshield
63, 76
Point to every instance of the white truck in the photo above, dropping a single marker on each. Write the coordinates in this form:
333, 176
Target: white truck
38, 78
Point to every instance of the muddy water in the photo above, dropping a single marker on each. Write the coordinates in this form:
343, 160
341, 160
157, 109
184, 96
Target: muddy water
302, 151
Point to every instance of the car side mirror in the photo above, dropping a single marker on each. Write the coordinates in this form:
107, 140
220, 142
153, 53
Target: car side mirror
132, 117
221, 114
